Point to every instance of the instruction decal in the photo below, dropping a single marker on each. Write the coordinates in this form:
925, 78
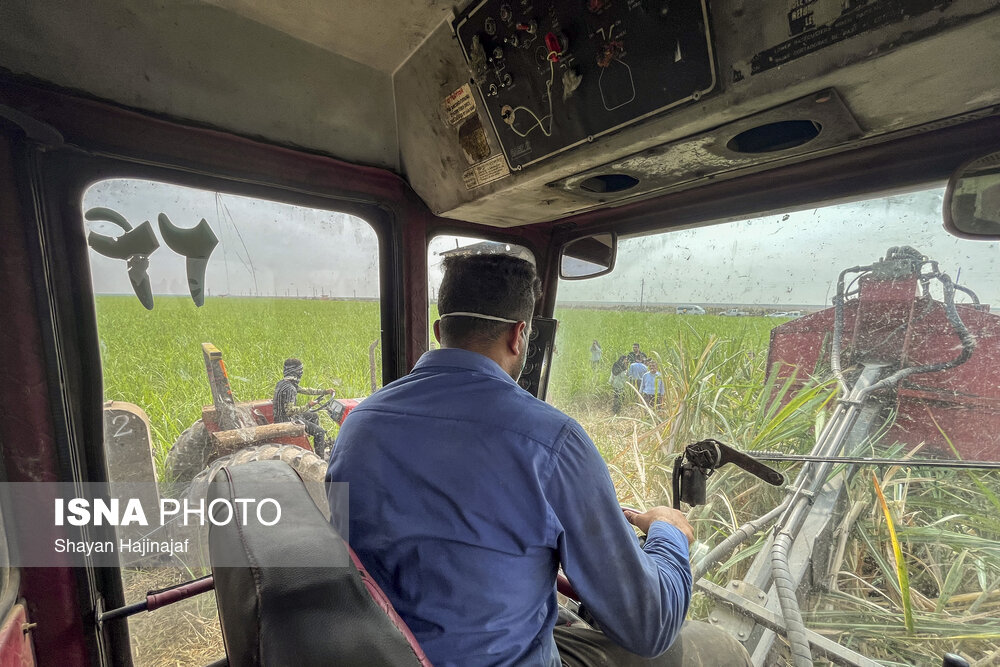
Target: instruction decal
816, 24
459, 105
486, 172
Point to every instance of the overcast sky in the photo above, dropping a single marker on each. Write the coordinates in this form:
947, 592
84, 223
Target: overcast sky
789, 259
268, 248
286, 248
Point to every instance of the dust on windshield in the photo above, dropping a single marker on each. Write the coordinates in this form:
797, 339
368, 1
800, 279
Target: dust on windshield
751, 333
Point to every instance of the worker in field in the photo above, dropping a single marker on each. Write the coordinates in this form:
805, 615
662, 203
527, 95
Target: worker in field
285, 410
618, 380
652, 387
636, 371
466, 495
595, 354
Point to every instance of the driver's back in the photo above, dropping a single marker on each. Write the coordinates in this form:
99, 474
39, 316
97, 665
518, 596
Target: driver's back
465, 493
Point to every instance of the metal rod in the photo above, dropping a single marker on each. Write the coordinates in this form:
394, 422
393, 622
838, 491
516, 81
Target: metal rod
865, 460
161, 598
128, 610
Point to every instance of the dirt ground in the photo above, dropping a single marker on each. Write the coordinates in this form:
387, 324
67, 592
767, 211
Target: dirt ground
180, 635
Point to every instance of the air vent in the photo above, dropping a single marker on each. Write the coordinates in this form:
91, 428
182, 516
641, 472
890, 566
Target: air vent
772, 137
609, 183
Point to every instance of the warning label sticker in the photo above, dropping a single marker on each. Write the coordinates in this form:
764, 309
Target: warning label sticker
459, 105
485, 172
811, 25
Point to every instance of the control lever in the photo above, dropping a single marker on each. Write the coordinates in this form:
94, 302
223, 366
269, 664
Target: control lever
699, 460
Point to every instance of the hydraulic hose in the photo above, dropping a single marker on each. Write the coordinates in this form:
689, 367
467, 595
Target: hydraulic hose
795, 628
964, 335
838, 326
811, 478
727, 546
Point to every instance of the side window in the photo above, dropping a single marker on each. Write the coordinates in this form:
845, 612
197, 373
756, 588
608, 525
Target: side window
221, 314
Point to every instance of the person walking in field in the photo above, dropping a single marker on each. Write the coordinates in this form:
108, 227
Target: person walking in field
652, 387
595, 354
619, 376
636, 370
636, 354
285, 410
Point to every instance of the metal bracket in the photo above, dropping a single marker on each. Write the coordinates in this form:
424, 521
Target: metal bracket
773, 621
736, 622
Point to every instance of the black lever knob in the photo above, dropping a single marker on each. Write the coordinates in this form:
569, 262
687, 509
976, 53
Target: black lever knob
953, 660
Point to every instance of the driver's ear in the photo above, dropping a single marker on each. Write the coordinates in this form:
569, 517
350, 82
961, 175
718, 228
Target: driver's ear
437, 330
517, 337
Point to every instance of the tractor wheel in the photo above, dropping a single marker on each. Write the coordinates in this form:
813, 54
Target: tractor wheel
189, 455
310, 467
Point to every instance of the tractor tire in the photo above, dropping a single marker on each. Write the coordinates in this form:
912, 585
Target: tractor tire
189, 455
310, 467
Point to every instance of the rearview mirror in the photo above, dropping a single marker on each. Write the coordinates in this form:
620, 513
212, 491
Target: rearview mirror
972, 200
588, 257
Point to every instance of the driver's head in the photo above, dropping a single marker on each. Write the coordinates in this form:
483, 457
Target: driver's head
498, 295
293, 369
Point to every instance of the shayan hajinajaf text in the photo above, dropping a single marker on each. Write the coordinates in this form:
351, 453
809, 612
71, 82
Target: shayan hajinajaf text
138, 548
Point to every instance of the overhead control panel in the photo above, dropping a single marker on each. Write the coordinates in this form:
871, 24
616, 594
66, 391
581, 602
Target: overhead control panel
557, 74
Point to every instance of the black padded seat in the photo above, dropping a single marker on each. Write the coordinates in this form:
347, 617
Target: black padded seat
275, 616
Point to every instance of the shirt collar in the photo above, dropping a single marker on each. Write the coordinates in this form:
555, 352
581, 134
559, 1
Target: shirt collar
455, 357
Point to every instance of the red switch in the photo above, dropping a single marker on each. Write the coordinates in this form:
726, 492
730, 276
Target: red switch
553, 45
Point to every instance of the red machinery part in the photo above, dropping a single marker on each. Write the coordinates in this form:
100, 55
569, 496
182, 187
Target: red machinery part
15, 639
888, 322
157, 599
554, 46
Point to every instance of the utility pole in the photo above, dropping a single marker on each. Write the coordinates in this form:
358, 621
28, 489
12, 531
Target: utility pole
642, 289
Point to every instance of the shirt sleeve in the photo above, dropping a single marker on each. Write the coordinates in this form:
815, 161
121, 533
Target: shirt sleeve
639, 596
309, 391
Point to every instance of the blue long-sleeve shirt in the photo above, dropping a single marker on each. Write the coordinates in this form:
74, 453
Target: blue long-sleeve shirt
467, 493
652, 383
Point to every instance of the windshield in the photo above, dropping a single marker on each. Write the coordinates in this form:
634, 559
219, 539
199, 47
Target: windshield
749, 332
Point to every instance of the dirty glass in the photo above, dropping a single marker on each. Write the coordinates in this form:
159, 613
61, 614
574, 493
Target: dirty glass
200, 293
751, 333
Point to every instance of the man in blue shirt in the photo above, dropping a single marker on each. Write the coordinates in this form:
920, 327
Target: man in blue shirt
652, 387
467, 494
636, 371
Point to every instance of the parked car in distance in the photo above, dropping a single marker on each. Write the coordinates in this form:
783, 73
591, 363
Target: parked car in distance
734, 312
690, 310
791, 314
778, 314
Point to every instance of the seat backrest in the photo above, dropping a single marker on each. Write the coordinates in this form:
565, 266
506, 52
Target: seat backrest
330, 613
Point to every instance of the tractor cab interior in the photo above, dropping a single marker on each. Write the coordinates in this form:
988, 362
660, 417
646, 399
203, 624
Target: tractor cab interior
792, 207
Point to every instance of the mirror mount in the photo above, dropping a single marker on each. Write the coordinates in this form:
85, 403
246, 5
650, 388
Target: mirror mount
972, 200
588, 256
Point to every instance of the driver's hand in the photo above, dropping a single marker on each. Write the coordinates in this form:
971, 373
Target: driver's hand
330, 391
312, 403
676, 518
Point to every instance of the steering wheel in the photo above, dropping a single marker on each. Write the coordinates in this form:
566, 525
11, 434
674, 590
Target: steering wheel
322, 402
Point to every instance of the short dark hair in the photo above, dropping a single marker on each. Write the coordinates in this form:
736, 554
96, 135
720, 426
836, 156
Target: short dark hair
497, 284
